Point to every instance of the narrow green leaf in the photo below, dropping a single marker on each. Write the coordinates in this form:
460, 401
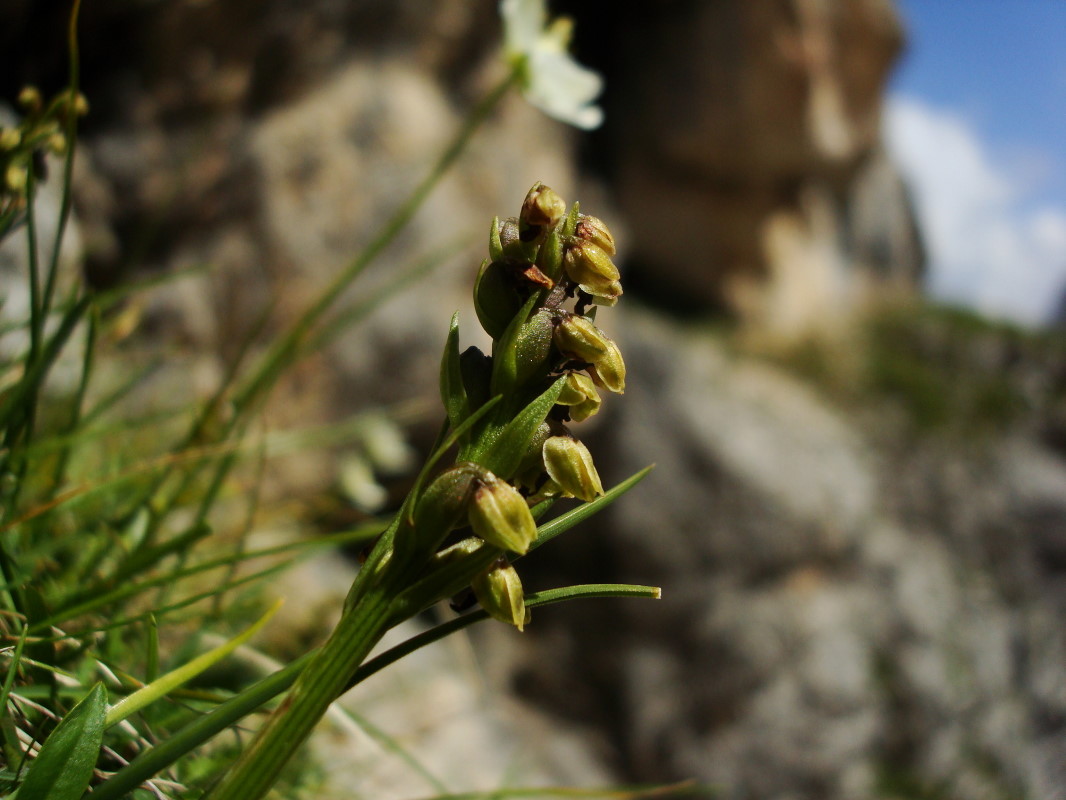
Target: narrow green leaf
34, 377
392, 746
231, 711
495, 245
446, 443
550, 257
505, 452
565, 522
151, 669
7, 723
570, 223
452, 391
183, 674
504, 351
64, 766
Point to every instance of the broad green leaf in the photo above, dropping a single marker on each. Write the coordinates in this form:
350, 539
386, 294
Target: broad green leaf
64, 766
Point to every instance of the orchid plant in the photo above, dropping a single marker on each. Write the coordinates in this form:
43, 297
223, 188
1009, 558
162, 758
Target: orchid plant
68, 604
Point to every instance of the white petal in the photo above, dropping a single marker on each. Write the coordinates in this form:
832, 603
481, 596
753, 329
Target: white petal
564, 89
523, 22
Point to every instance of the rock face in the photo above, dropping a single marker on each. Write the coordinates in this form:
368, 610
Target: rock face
746, 156
848, 612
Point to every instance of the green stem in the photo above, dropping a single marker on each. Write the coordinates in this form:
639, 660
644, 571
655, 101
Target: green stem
73, 80
317, 687
34, 277
167, 752
291, 344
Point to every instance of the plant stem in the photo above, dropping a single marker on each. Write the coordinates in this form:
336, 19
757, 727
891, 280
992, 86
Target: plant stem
317, 687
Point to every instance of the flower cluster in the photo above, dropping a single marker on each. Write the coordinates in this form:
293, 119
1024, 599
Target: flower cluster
536, 296
23, 146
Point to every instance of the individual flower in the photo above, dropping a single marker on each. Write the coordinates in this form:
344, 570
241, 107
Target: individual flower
609, 372
589, 266
551, 79
569, 464
499, 591
500, 515
542, 209
577, 337
580, 396
595, 230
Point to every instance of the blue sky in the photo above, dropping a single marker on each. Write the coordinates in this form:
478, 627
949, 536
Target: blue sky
977, 119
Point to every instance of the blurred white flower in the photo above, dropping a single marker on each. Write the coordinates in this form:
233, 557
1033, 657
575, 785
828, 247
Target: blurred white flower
551, 79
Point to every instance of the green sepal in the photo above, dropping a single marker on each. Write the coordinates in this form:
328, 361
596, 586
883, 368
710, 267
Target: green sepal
495, 245
440, 508
452, 391
533, 349
505, 355
550, 257
570, 223
64, 765
505, 453
496, 298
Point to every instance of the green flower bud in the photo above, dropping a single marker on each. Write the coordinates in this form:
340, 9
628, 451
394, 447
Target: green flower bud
9, 138
510, 246
593, 229
589, 266
604, 294
530, 472
30, 99
500, 516
497, 297
81, 105
541, 210
569, 464
15, 177
57, 143
578, 338
580, 395
440, 508
533, 348
499, 591
609, 372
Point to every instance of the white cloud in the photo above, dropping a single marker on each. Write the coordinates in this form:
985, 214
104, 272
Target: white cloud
987, 249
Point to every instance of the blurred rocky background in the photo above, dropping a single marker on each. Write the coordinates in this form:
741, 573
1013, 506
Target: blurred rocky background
858, 513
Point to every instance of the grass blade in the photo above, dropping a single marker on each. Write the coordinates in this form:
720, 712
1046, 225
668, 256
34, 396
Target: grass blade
165, 684
564, 522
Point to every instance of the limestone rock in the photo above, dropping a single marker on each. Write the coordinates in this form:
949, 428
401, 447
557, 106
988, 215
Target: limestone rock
745, 135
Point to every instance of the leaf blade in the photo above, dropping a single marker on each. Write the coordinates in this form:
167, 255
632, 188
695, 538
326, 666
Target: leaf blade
64, 765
